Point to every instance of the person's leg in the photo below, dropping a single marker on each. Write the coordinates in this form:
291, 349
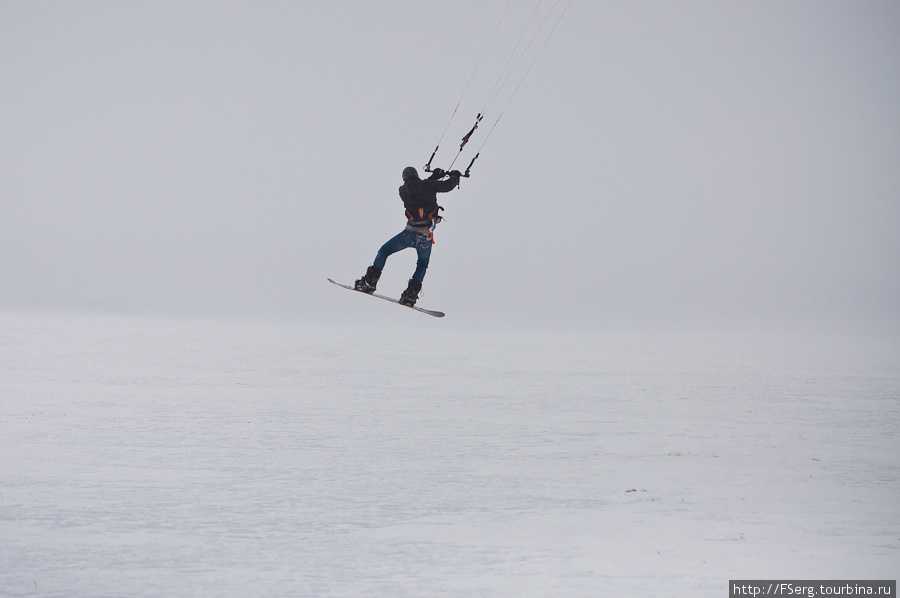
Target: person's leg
397, 243
369, 282
423, 249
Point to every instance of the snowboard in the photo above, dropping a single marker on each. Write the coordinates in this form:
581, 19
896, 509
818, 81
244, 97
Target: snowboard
436, 314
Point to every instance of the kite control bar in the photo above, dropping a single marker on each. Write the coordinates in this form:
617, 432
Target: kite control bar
446, 172
465, 140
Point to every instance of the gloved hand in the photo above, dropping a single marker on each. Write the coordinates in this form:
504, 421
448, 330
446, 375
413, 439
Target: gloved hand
438, 173
455, 173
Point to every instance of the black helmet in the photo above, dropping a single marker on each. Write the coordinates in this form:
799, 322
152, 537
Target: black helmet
410, 174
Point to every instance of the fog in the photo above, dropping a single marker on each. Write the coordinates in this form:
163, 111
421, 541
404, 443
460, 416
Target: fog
662, 162
188, 406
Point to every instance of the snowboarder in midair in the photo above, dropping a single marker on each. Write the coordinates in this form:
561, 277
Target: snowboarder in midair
422, 214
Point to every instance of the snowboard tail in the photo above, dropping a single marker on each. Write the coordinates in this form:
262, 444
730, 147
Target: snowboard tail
436, 314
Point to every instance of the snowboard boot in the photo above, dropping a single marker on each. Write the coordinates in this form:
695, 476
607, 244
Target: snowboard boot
411, 294
367, 283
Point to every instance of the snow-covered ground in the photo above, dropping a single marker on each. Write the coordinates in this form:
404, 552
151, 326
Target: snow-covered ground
165, 457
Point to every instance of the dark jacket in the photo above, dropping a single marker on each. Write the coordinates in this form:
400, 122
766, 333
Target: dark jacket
420, 198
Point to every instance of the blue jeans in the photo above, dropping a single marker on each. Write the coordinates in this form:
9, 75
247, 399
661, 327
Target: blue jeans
405, 240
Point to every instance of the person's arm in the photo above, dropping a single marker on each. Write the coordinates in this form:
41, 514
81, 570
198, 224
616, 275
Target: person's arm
450, 184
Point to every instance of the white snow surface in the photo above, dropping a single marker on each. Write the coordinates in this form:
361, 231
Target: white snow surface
174, 457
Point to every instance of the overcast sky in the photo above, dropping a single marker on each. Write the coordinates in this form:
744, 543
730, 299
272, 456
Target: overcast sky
662, 160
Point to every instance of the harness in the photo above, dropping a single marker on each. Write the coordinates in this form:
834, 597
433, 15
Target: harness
422, 223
